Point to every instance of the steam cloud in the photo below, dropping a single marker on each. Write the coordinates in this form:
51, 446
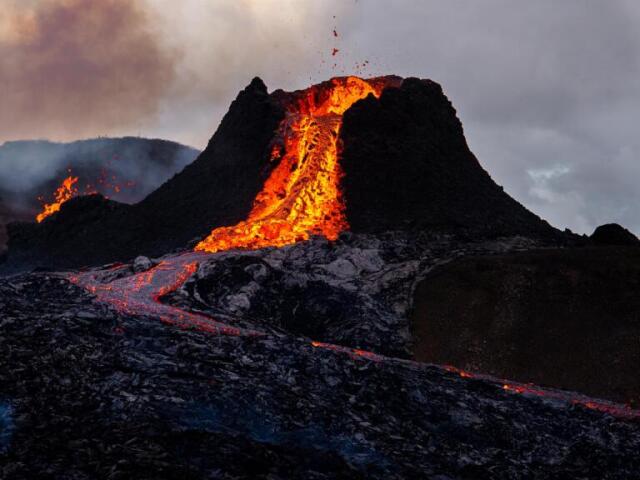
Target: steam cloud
76, 68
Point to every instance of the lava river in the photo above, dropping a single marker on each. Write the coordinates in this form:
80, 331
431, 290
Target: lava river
300, 198
140, 294
302, 195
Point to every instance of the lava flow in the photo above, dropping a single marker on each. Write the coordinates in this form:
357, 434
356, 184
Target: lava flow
140, 294
302, 196
65, 192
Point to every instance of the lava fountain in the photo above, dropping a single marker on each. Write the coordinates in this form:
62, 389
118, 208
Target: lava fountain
302, 196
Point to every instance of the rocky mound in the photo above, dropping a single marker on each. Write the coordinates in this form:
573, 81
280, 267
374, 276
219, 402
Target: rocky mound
566, 318
614, 234
406, 167
5, 217
217, 188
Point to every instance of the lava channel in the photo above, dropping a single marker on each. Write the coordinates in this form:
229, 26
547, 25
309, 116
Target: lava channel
140, 294
302, 195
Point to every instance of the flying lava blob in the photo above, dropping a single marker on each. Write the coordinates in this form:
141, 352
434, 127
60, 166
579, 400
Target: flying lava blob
301, 197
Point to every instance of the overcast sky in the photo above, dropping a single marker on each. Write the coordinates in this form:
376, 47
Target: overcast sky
548, 90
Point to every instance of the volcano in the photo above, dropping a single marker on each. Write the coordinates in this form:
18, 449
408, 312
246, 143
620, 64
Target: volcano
348, 154
263, 313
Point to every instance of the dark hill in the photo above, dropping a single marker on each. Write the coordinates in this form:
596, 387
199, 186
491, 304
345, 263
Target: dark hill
614, 234
406, 164
567, 318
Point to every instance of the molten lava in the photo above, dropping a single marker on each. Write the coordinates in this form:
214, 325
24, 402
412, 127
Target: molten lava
65, 192
69, 189
301, 197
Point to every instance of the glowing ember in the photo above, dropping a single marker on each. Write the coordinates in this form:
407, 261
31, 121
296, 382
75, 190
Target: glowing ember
302, 196
65, 192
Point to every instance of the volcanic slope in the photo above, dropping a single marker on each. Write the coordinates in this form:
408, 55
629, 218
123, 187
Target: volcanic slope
126, 169
401, 163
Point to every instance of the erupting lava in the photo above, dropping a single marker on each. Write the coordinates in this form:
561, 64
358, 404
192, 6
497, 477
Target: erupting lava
68, 189
301, 197
65, 192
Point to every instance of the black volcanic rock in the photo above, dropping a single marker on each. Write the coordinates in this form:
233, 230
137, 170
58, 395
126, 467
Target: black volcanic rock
90, 394
407, 165
219, 187
614, 234
5, 217
78, 216
406, 162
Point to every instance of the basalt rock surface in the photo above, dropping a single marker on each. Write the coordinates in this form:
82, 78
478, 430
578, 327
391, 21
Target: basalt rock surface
88, 392
356, 292
406, 167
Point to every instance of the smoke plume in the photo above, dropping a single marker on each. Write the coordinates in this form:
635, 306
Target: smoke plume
76, 68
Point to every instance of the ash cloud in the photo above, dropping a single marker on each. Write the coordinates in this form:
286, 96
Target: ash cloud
71, 69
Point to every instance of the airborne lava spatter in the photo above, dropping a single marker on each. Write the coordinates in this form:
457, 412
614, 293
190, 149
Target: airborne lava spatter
301, 197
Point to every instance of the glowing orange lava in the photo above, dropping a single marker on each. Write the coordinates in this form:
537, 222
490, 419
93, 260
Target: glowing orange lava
65, 192
301, 197
69, 188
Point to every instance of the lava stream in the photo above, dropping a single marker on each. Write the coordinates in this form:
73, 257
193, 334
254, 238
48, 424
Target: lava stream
140, 294
302, 195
